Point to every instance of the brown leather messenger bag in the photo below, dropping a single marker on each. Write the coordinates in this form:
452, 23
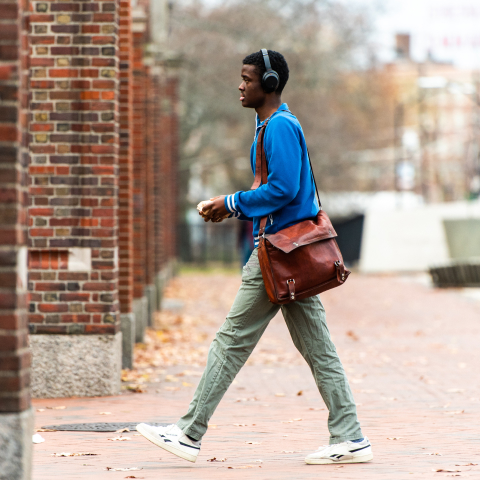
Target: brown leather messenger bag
301, 260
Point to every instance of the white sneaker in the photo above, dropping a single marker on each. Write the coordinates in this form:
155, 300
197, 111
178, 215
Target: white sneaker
172, 439
345, 452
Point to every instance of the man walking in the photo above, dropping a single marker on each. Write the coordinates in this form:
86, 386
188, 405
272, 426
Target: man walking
288, 198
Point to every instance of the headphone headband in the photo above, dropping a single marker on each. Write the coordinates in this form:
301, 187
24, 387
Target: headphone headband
266, 59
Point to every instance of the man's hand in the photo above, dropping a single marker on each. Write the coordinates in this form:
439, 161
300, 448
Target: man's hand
214, 210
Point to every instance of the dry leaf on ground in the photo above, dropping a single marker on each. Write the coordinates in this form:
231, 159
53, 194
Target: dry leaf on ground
45, 430
122, 430
120, 439
215, 459
446, 470
68, 454
456, 412
253, 443
279, 394
394, 438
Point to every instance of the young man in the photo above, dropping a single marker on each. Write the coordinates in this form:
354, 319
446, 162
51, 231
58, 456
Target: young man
287, 198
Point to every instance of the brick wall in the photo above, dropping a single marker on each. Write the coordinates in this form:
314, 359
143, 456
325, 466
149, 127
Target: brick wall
73, 268
87, 165
14, 351
125, 239
139, 154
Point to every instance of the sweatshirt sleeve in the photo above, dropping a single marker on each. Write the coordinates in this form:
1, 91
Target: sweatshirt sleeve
240, 216
284, 159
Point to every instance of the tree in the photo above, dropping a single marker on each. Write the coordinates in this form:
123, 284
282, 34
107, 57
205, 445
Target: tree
339, 98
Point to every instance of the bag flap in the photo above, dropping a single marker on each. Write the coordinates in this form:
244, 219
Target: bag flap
303, 233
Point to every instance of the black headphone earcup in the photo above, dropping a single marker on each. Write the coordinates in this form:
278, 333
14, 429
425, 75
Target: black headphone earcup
270, 81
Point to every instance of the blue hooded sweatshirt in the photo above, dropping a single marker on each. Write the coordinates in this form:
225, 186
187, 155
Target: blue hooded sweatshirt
289, 196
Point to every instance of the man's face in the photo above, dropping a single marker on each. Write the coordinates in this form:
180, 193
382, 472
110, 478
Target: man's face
251, 91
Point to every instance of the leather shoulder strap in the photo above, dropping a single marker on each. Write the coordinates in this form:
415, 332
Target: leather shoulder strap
261, 172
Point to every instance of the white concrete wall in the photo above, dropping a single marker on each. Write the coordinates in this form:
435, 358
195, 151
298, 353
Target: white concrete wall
409, 239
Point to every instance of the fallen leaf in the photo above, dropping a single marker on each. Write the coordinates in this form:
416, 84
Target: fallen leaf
240, 425
297, 419
279, 394
215, 459
287, 421
456, 412
186, 384
136, 388
45, 430
253, 443
467, 465
433, 454
122, 469
104, 413
120, 439
212, 425
259, 461
299, 393
67, 454
353, 335
122, 430
394, 438
445, 470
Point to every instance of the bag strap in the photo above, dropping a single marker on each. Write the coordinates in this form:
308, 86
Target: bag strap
261, 172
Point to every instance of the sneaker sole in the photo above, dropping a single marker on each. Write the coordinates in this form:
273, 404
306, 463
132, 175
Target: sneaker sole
165, 446
327, 461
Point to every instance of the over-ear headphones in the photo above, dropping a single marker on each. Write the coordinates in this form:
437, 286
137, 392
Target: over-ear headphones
270, 79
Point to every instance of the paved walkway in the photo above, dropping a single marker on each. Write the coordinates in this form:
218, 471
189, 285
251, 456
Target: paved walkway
411, 354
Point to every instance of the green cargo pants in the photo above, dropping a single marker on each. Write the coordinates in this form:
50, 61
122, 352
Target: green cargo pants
248, 318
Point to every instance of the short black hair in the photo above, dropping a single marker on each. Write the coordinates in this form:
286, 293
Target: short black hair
278, 63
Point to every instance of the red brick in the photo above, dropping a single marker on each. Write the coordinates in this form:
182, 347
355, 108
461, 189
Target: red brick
53, 307
63, 72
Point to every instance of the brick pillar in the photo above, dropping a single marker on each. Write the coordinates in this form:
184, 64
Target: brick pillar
140, 303
149, 194
125, 286
16, 416
73, 261
169, 156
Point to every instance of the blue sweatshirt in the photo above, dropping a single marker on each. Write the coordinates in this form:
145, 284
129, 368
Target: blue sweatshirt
289, 196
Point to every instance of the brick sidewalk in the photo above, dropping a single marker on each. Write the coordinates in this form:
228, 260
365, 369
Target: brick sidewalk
410, 354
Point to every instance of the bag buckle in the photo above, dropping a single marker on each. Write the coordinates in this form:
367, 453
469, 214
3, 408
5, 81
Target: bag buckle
291, 288
340, 270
